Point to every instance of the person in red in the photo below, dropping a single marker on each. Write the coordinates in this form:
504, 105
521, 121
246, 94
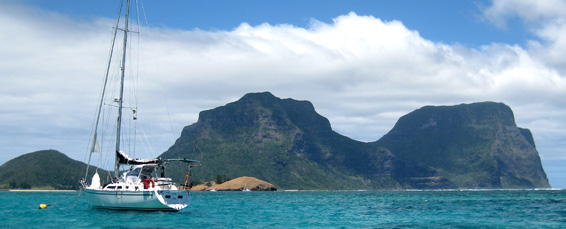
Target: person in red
145, 183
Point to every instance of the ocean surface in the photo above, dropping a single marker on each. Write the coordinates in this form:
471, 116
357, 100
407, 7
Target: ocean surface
309, 209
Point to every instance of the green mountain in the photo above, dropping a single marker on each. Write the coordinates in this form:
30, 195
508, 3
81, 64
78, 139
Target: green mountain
45, 169
285, 142
472, 145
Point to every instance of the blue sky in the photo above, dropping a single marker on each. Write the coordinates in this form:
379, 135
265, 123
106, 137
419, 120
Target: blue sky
363, 64
442, 21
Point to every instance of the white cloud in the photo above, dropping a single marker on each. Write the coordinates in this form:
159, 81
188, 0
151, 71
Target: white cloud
531, 11
359, 71
539, 75
545, 19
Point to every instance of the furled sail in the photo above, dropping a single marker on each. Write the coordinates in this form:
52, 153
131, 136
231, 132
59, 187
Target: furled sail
125, 160
95, 147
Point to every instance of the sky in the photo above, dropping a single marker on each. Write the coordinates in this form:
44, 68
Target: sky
363, 64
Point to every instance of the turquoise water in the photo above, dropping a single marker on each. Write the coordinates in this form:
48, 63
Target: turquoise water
525, 208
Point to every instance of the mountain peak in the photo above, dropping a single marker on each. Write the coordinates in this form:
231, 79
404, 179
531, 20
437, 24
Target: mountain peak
476, 145
48, 169
259, 96
286, 142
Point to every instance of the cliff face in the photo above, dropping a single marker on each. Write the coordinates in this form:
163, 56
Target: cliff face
473, 145
285, 142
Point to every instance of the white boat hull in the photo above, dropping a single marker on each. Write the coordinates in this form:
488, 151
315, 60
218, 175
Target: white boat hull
146, 200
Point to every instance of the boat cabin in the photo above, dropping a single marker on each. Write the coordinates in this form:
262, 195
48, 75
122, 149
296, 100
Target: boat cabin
143, 177
139, 172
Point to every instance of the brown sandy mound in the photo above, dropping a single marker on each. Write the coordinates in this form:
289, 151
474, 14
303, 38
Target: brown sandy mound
238, 184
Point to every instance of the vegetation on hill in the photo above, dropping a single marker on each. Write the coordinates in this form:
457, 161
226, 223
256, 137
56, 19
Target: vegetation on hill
287, 143
45, 169
284, 142
472, 145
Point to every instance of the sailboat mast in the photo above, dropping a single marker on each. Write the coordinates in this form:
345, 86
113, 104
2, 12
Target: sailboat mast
120, 102
94, 143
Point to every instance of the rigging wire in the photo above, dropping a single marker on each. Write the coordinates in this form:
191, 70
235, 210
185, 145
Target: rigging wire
101, 93
109, 92
107, 141
148, 146
158, 71
136, 79
194, 151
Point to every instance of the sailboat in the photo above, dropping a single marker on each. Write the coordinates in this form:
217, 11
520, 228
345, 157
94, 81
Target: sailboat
246, 189
143, 186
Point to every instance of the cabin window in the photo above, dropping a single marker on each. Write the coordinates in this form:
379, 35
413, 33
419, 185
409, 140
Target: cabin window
147, 170
180, 197
167, 196
133, 176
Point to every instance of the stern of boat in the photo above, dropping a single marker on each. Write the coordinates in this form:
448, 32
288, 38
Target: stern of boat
175, 199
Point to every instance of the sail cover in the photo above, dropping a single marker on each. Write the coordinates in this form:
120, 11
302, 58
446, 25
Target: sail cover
124, 159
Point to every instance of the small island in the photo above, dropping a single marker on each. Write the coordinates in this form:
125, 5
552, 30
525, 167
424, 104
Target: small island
238, 184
